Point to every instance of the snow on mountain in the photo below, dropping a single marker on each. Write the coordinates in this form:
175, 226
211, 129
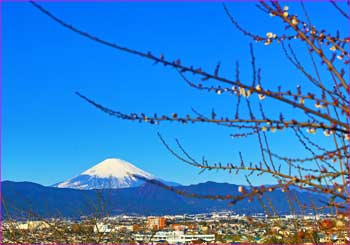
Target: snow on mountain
110, 173
116, 168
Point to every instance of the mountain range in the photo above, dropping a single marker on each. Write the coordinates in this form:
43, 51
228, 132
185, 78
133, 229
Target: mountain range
111, 188
23, 200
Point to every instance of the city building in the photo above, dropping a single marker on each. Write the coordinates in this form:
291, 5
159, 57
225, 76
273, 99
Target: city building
33, 225
173, 237
156, 223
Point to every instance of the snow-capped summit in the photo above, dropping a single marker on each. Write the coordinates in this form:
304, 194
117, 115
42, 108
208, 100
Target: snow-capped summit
113, 167
110, 173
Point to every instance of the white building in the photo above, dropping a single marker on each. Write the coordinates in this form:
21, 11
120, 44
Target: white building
103, 228
173, 237
33, 225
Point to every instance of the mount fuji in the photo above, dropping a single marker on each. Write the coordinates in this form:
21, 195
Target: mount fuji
111, 173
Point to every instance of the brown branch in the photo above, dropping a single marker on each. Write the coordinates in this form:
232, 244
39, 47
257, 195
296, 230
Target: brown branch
342, 12
310, 43
177, 64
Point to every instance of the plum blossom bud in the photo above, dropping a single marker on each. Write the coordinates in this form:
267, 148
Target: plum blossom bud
319, 105
327, 133
261, 96
244, 93
241, 189
268, 42
311, 130
258, 87
241, 91
294, 21
271, 35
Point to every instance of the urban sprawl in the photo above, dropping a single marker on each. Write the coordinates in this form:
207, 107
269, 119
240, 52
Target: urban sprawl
216, 227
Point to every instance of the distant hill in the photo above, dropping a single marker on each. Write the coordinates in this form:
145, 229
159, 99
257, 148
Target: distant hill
26, 199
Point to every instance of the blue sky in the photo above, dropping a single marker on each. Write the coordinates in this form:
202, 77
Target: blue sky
49, 134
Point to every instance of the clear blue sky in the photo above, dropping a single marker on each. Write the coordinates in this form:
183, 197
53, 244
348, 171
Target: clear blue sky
49, 134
